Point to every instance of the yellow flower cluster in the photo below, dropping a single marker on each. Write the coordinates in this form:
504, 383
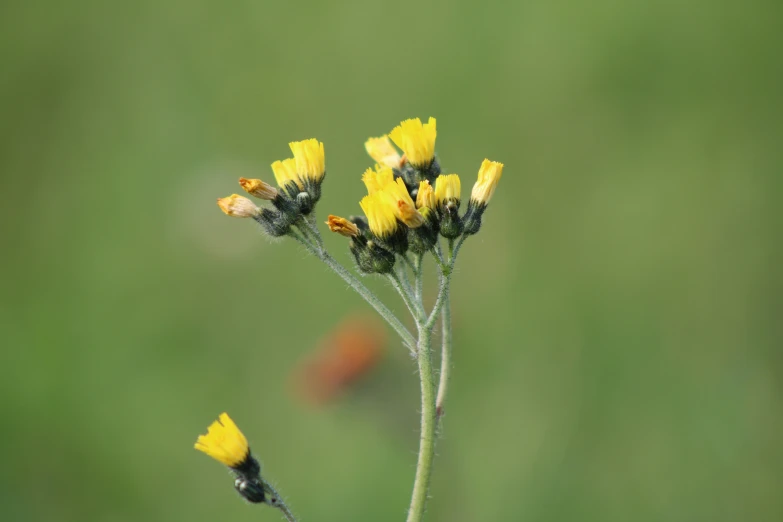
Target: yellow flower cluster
404, 191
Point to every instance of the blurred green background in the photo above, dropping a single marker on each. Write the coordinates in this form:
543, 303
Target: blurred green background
617, 320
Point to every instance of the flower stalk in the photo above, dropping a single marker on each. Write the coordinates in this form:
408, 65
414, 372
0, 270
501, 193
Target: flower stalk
409, 205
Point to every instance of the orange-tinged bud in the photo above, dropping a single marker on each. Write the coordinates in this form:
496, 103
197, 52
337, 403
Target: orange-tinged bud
342, 226
238, 206
258, 188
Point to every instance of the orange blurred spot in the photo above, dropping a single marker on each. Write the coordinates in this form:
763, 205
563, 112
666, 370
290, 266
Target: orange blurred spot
343, 356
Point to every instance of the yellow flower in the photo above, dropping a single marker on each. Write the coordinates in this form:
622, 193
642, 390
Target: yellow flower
398, 198
416, 140
447, 187
488, 178
258, 188
380, 215
426, 195
383, 152
342, 226
376, 179
309, 157
238, 206
285, 172
224, 442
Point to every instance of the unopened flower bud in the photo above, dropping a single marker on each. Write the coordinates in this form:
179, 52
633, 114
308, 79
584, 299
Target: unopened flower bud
258, 188
238, 206
425, 196
342, 226
488, 178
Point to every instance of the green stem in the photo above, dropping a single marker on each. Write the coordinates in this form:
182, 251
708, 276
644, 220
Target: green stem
418, 290
446, 335
404, 281
275, 500
404, 291
309, 227
408, 261
443, 294
428, 421
362, 290
445, 357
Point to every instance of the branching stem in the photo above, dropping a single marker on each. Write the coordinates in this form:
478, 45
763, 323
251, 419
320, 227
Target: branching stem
362, 290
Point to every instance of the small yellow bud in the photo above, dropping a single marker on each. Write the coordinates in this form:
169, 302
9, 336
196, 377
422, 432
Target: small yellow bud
380, 215
447, 187
416, 140
309, 157
383, 152
376, 179
285, 172
224, 442
258, 188
342, 226
426, 195
238, 206
488, 178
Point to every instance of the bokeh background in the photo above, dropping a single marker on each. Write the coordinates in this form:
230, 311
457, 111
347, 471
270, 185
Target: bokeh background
617, 321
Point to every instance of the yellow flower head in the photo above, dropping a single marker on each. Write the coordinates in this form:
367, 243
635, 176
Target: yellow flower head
309, 156
258, 188
383, 152
380, 214
447, 187
224, 442
426, 195
376, 179
238, 206
488, 178
397, 197
416, 140
285, 172
342, 226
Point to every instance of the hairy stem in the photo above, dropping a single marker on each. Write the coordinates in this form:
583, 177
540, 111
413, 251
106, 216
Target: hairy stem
310, 223
445, 357
275, 500
443, 294
418, 289
403, 278
421, 485
407, 297
446, 335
